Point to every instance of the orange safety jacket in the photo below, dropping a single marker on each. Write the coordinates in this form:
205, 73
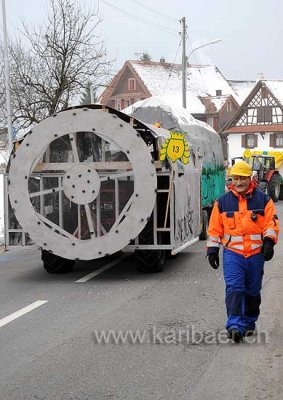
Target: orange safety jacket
240, 222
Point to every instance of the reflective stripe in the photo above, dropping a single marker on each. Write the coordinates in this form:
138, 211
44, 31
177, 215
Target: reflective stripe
237, 239
237, 246
212, 244
255, 246
255, 237
240, 238
270, 232
233, 238
214, 239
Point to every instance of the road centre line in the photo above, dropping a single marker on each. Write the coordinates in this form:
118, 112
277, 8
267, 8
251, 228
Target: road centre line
102, 269
22, 311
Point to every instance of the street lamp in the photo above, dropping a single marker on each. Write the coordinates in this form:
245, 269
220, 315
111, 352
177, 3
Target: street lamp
203, 45
184, 84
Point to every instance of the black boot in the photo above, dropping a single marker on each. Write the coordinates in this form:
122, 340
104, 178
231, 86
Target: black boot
250, 332
235, 335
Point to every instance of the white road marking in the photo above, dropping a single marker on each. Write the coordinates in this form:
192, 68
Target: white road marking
22, 311
102, 269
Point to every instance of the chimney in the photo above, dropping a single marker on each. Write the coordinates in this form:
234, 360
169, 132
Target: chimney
259, 76
162, 60
218, 92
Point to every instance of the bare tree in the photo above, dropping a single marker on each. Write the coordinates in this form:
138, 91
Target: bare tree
62, 57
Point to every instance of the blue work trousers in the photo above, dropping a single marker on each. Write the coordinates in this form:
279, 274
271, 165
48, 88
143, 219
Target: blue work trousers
243, 279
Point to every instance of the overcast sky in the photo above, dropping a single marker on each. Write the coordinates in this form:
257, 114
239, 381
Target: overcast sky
251, 31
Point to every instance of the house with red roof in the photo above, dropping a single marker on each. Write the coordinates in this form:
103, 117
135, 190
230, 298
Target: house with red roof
210, 96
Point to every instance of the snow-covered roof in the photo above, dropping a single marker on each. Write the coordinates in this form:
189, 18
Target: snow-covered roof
214, 103
276, 87
242, 89
165, 81
218, 101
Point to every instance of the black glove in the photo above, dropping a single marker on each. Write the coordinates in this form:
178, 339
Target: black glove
267, 248
213, 257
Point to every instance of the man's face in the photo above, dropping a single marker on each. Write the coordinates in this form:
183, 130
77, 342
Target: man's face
241, 183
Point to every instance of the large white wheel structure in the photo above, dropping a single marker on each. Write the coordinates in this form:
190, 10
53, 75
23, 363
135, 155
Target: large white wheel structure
81, 183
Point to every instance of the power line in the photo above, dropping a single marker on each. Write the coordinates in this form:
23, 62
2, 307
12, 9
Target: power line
156, 12
160, 27
171, 69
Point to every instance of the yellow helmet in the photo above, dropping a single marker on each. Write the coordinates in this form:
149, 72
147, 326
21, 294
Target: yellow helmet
241, 168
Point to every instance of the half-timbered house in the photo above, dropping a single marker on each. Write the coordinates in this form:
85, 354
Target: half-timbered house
258, 125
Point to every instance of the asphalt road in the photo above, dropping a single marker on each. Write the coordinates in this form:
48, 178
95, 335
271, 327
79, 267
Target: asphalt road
52, 351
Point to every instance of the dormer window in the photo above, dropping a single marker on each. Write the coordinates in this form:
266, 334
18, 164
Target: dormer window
131, 84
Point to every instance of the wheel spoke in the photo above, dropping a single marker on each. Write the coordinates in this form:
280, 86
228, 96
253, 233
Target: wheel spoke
122, 214
56, 227
73, 141
116, 176
44, 192
89, 220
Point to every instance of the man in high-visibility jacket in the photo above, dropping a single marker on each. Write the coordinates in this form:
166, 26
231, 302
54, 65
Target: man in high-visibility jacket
244, 221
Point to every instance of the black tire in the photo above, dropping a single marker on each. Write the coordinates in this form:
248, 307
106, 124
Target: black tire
150, 261
203, 234
54, 264
281, 192
274, 187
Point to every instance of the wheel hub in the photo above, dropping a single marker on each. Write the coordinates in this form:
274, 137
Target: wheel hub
81, 184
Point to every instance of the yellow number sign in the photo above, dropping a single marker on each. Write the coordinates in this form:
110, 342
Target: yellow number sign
176, 147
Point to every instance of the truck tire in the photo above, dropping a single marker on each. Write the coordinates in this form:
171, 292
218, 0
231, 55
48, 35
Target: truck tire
150, 261
54, 264
274, 187
203, 234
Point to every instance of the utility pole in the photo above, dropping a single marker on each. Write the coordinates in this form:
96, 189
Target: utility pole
7, 78
184, 62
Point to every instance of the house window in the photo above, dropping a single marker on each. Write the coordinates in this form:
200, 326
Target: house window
131, 84
118, 105
276, 140
127, 103
249, 141
264, 114
228, 106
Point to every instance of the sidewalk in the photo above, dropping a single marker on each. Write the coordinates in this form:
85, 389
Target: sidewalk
252, 371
